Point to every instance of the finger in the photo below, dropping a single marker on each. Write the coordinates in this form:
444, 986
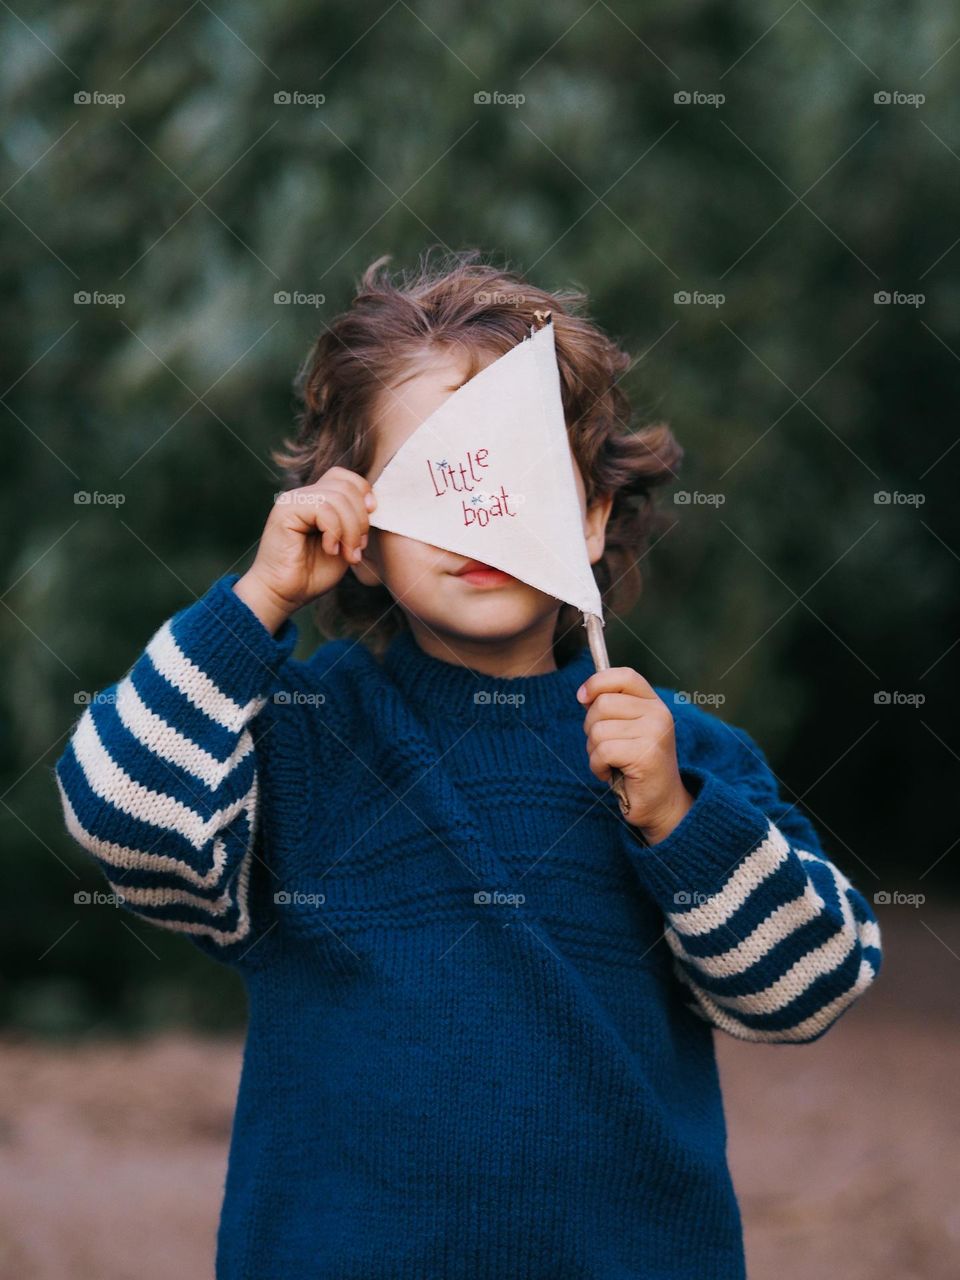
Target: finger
613, 754
358, 494
646, 735
615, 730
353, 517
318, 512
615, 680
615, 706
307, 510
334, 513
329, 527
352, 487
358, 482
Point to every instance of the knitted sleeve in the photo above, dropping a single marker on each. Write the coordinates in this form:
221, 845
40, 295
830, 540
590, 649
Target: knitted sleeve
772, 940
159, 778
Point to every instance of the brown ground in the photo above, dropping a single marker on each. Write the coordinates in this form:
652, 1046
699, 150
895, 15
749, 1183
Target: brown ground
844, 1152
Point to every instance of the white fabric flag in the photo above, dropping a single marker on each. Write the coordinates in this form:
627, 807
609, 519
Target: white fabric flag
489, 475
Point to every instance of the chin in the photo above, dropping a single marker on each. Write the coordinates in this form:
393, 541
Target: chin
485, 619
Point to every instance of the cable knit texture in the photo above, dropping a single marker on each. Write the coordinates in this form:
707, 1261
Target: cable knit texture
481, 1007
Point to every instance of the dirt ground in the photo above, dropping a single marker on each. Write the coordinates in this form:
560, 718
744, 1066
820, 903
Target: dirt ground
844, 1152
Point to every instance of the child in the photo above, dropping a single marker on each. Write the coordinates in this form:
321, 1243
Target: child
481, 1002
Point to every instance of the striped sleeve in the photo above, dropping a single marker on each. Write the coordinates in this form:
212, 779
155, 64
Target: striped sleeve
159, 779
770, 940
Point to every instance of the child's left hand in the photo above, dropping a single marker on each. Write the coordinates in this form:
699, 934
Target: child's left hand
630, 728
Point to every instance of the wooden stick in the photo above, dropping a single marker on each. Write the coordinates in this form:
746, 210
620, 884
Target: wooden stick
598, 651
598, 647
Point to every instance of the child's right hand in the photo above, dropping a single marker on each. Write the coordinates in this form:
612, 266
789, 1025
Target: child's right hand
311, 538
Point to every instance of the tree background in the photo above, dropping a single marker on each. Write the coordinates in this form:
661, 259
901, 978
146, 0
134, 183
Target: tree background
800, 598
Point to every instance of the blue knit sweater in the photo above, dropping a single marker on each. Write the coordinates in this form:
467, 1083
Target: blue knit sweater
481, 1008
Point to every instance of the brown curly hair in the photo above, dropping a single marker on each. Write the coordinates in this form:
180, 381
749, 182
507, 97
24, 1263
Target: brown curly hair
461, 301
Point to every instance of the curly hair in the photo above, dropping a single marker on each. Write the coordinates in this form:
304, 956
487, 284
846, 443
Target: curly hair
481, 309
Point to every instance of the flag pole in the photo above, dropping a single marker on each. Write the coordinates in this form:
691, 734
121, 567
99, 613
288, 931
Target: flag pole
598, 651
594, 626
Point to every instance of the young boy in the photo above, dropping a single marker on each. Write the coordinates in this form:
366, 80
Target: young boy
481, 1002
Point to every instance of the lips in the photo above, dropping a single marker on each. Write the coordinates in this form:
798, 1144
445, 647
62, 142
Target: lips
475, 566
480, 574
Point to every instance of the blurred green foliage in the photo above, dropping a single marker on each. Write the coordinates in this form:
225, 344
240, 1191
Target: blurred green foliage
200, 196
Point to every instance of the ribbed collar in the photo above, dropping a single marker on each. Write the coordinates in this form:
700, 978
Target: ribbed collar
446, 689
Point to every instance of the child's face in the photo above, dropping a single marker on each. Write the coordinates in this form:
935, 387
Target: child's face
423, 578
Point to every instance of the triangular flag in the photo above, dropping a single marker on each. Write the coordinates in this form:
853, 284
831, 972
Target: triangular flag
489, 475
